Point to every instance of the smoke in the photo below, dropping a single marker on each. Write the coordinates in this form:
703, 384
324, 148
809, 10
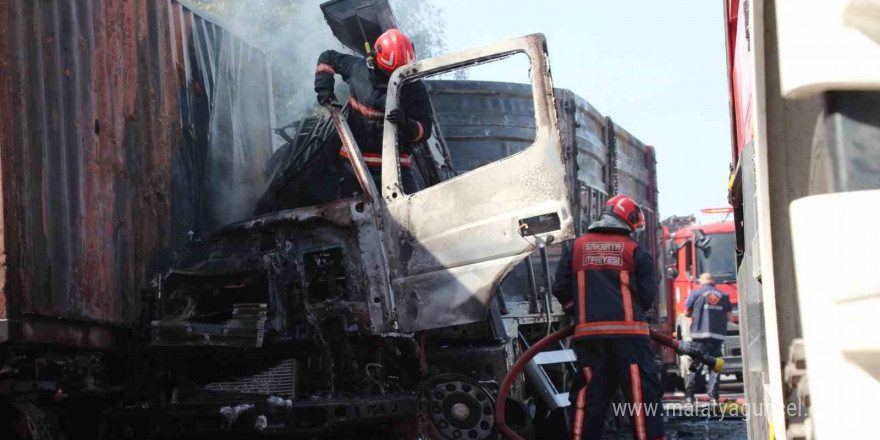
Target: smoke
238, 140
295, 48
421, 23
294, 33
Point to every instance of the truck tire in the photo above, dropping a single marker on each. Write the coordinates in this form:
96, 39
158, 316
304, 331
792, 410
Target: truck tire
27, 421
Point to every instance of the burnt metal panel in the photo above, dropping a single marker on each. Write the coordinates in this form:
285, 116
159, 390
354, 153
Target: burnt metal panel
123, 125
483, 121
302, 264
610, 139
355, 22
635, 168
592, 152
457, 263
637, 178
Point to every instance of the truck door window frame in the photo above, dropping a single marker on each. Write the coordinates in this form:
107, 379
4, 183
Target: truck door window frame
449, 246
392, 190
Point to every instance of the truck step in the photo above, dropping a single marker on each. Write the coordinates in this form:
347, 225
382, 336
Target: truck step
555, 357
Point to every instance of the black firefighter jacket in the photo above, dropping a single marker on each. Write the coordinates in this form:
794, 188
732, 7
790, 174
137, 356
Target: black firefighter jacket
367, 101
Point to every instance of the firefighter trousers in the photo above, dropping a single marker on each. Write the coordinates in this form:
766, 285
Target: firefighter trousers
606, 365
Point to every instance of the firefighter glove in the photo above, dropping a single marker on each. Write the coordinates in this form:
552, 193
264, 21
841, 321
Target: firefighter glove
398, 117
326, 97
409, 128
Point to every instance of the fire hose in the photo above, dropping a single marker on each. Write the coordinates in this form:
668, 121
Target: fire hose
680, 347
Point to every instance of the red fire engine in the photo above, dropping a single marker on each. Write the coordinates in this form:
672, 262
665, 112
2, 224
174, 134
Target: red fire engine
690, 250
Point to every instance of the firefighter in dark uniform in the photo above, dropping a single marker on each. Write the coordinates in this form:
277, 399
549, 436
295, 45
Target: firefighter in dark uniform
368, 83
710, 309
608, 283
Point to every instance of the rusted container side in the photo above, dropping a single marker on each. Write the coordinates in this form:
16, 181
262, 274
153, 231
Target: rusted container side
123, 125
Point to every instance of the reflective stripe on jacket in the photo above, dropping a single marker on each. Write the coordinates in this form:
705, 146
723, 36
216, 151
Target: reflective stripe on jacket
374, 160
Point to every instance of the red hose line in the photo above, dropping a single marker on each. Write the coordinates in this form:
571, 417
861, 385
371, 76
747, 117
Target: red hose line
504, 390
662, 339
516, 369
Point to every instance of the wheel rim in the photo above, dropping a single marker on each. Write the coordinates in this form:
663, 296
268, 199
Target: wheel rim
456, 407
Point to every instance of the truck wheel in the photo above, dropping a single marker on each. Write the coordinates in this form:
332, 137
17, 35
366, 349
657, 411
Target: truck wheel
26, 421
453, 406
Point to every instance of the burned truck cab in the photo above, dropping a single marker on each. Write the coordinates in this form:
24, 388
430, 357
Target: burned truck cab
248, 279
329, 305
405, 262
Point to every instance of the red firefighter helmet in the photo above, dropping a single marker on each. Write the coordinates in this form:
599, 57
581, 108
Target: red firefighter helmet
393, 49
625, 208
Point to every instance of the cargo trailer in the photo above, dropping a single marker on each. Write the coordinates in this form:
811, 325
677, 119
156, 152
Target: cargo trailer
126, 129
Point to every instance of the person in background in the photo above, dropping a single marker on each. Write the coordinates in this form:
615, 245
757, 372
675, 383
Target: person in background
710, 310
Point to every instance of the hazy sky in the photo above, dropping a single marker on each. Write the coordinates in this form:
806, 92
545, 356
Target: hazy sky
656, 67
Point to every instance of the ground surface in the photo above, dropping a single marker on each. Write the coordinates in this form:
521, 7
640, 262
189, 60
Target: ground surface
704, 429
697, 423
694, 428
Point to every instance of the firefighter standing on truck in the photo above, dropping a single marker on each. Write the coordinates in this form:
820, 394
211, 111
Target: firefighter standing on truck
709, 309
608, 282
368, 83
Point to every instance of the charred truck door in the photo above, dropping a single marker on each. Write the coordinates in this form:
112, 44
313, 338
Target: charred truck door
450, 245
